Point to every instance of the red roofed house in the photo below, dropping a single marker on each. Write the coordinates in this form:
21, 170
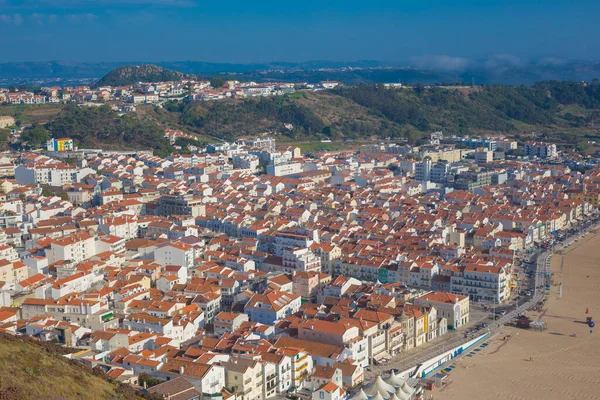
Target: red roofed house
453, 307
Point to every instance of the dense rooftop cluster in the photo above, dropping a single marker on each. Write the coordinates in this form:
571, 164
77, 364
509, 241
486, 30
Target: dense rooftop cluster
198, 270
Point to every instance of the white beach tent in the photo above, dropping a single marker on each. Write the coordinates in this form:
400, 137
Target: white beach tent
394, 379
378, 396
407, 389
360, 396
401, 395
379, 386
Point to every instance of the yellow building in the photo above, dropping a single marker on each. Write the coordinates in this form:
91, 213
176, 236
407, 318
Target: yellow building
452, 155
61, 144
587, 196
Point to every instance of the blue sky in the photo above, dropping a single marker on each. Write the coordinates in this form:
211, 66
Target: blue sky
421, 32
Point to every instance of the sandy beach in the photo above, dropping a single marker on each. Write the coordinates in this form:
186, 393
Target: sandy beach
551, 364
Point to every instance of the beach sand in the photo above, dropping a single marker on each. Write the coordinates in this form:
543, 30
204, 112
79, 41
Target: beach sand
562, 366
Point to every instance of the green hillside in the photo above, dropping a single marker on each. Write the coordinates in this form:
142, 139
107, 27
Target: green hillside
101, 126
359, 112
31, 370
566, 112
130, 74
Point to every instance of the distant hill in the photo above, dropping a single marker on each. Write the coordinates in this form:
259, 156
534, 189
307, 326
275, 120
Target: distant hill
492, 70
55, 69
565, 112
71, 70
129, 74
561, 110
37, 370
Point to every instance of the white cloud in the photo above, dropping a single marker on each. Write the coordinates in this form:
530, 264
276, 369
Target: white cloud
39, 18
501, 63
42, 19
441, 63
17, 19
14, 19
551, 62
111, 3
78, 18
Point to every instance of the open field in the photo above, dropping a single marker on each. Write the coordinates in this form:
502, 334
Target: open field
559, 363
30, 114
574, 109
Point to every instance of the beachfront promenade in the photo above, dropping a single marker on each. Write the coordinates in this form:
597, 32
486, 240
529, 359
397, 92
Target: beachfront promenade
416, 357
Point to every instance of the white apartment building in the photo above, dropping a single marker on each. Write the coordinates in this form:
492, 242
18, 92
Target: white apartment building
423, 170
53, 174
76, 247
245, 161
484, 156
91, 314
76, 283
285, 240
144, 322
541, 150
123, 227
300, 259
176, 253
439, 172
483, 283
283, 169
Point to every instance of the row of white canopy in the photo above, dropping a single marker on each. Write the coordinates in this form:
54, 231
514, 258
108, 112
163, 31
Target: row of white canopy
394, 387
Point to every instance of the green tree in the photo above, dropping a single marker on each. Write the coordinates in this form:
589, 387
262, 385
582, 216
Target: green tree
36, 136
217, 82
420, 89
184, 142
150, 381
582, 146
97, 126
